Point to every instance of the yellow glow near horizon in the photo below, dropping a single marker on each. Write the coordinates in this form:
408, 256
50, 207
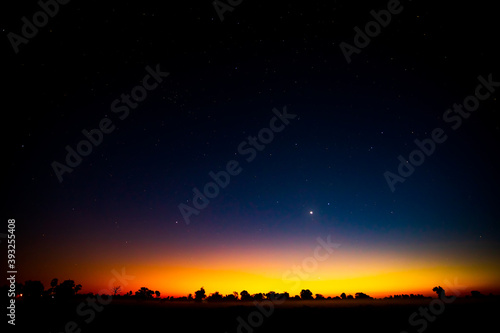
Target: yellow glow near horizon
181, 281
377, 273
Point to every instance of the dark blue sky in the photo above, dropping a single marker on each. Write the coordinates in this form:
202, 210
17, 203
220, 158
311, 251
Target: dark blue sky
352, 122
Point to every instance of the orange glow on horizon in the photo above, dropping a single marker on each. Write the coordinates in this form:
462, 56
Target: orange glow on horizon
183, 280
378, 273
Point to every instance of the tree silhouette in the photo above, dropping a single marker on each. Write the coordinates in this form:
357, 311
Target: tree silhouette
306, 294
258, 297
362, 296
284, 295
320, 297
66, 289
271, 295
157, 294
144, 293
245, 296
78, 287
32, 290
216, 296
439, 291
343, 296
231, 297
53, 285
199, 295
115, 290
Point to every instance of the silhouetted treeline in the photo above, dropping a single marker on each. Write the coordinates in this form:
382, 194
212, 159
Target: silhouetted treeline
305, 294
34, 290
405, 296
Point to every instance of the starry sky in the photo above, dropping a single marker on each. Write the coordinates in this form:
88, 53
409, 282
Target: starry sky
216, 89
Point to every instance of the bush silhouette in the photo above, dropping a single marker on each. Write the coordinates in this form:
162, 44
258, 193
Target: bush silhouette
65, 290
216, 296
245, 296
200, 295
362, 296
306, 294
439, 291
144, 293
32, 290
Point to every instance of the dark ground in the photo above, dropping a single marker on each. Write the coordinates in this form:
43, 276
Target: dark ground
471, 315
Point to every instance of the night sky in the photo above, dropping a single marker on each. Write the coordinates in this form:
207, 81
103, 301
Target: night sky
207, 98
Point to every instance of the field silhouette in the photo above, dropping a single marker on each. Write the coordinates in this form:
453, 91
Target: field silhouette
269, 312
